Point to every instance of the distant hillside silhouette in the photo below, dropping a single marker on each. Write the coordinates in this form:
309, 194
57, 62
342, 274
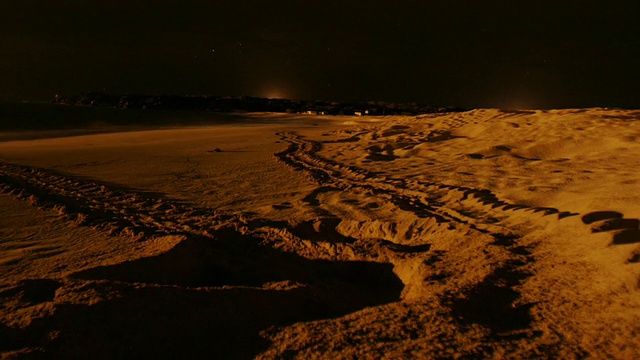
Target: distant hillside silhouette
247, 103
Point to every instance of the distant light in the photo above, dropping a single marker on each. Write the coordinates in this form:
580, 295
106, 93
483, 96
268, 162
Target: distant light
271, 89
275, 94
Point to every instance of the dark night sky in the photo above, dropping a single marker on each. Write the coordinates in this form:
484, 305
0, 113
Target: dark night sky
467, 53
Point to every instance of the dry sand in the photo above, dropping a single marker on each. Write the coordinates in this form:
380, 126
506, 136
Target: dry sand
485, 234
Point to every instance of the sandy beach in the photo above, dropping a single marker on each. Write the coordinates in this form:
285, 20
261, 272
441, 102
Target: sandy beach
480, 234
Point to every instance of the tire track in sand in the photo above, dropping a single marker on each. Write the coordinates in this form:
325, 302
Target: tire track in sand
114, 211
492, 302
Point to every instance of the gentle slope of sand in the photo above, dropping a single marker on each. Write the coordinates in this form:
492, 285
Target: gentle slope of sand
479, 234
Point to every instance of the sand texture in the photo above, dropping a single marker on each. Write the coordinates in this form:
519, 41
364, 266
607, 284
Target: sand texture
482, 234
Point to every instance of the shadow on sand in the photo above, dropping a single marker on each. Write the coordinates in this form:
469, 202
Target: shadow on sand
205, 298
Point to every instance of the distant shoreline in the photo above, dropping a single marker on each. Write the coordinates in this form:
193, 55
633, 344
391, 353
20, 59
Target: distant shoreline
30, 121
38, 117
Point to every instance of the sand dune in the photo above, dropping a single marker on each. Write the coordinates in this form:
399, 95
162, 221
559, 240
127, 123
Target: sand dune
486, 233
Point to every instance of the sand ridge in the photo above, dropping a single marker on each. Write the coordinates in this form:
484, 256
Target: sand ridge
480, 234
